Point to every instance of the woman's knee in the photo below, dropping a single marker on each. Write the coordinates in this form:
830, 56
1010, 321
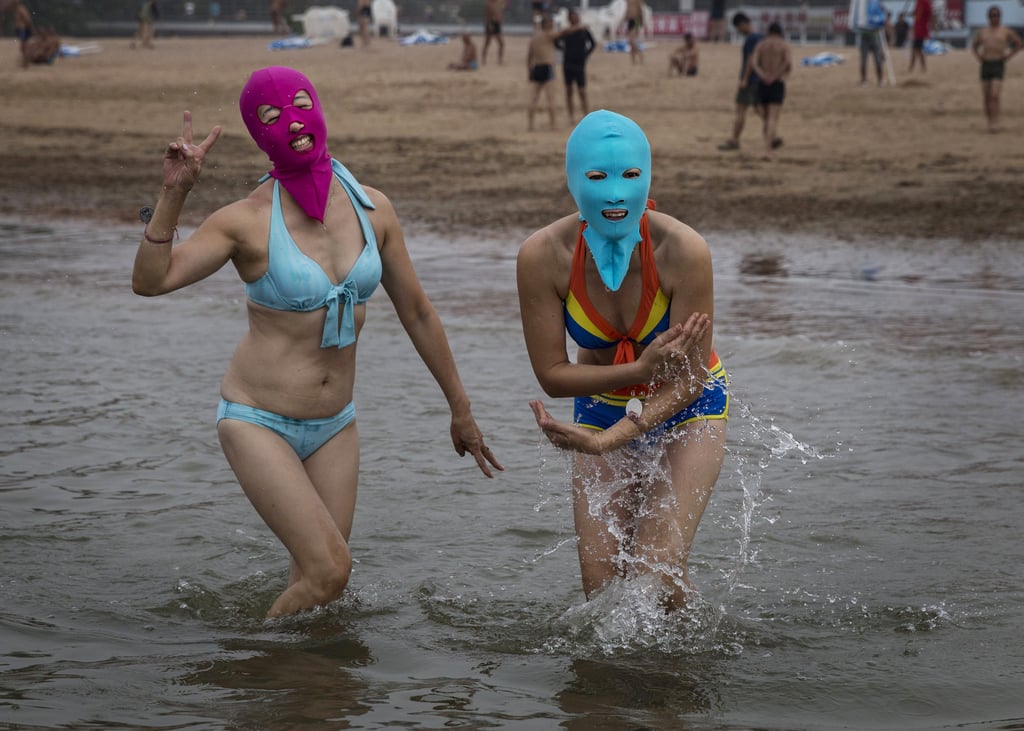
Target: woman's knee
329, 579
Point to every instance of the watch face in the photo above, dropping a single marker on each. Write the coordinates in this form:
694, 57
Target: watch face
145, 214
634, 408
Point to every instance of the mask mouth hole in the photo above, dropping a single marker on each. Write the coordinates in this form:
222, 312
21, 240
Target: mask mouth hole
302, 143
615, 214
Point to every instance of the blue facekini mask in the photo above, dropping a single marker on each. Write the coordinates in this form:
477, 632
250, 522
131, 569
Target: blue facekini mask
614, 146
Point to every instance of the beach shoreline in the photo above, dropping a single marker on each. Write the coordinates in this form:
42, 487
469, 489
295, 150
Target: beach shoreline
912, 161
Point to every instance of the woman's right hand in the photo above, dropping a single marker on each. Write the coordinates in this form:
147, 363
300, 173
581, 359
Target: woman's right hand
183, 160
667, 352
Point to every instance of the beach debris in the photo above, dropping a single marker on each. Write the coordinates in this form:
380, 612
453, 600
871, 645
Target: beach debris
823, 59
422, 37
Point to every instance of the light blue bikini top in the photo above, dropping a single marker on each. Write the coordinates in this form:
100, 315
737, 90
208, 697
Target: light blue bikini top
295, 282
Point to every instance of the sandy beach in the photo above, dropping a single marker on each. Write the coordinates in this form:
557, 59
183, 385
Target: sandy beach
84, 136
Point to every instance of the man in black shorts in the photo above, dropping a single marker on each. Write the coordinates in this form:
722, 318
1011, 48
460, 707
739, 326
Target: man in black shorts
493, 13
540, 60
772, 61
576, 44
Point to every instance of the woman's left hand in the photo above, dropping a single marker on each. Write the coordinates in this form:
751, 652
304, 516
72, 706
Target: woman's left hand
467, 437
566, 436
183, 159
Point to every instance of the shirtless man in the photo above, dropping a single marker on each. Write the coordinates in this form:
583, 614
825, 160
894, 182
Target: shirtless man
23, 28
634, 22
540, 64
685, 59
993, 47
772, 62
493, 14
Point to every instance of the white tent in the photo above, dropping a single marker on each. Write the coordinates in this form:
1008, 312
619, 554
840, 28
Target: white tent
860, 22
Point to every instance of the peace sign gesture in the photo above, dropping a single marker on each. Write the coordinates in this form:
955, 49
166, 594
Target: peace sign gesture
183, 160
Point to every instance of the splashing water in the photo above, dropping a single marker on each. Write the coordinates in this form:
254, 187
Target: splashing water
753, 449
629, 613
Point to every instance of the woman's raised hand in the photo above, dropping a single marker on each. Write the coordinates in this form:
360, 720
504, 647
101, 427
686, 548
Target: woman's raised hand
183, 159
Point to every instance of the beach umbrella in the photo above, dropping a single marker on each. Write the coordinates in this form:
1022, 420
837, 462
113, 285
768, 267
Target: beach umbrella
869, 15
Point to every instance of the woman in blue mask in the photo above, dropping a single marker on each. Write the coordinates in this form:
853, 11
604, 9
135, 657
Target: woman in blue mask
634, 290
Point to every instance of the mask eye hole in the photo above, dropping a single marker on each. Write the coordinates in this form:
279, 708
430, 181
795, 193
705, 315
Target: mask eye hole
267, 113
595, 175
302, 100
632, 173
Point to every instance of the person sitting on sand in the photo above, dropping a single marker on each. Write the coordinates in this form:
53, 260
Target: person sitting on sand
468, 61
685, 59
311, 245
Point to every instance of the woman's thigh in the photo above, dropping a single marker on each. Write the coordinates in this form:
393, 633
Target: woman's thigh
674, 506
276, 482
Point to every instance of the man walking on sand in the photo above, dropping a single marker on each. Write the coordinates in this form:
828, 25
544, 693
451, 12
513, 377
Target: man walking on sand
493, 14
748, 92
993, 46
771, 61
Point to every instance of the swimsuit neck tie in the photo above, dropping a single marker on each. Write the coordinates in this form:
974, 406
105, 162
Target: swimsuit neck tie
340, 328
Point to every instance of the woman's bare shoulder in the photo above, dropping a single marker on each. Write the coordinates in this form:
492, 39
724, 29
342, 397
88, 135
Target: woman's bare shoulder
552, 241
676, 243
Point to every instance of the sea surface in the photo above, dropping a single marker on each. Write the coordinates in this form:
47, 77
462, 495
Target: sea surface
860, 563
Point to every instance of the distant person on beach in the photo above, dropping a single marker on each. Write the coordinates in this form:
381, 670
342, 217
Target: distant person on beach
468, 61
900, 31
716, 21
748, 92
311, 245
146, 28
576, 44
494, 12
43, 47
685, 59
922, 32
633, 288
24, 28
870, 47
772, 61
540, 66
993, 46
634, 24
364, 13
277, 9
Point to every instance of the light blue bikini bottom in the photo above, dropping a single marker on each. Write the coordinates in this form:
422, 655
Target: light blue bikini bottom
304, 435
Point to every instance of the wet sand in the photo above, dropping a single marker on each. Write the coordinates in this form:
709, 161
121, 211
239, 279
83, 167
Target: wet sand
84, 137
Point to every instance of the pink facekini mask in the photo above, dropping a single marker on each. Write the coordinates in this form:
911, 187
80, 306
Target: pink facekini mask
305, 175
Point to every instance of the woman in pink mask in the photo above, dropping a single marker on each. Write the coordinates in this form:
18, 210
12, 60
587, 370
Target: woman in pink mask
633, 288
311, 246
